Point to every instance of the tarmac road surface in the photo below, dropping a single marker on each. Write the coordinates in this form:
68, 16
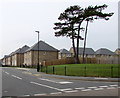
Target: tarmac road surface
27, 82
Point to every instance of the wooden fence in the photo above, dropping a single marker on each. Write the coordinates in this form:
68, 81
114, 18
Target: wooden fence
69, 60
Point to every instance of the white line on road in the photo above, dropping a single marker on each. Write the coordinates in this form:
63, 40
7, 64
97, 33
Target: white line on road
66, 89
92, 87
86, 90
99, 89
45, 86
71, 91
113, 85
48, 80
102, 78
111, 88
7, 73
39, 94
80, 88
64, 82
5, 91
56, 93
103, 86
26, 95
17, 77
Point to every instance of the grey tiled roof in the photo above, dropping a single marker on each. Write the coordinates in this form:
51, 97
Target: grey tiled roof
42, 47
88, 51
104, 51
5, 56
64, 51
21, 50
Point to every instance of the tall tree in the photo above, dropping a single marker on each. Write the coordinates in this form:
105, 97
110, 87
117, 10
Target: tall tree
93, 13
67, 25
71, 20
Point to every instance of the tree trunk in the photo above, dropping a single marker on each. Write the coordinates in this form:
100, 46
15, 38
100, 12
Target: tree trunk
73, 44
85, 42
77, 57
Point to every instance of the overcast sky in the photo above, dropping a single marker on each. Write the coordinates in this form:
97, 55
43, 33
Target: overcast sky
20, 19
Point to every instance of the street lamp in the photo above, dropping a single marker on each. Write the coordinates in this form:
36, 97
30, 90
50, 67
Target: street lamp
38, 67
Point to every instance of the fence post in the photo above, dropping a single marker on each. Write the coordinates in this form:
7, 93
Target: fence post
46, 69
85, 71
53, 70
65, 70
111, 71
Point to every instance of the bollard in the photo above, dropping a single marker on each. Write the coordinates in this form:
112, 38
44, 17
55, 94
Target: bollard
65, 70
111, 71
53, 70
85, 71
38, 68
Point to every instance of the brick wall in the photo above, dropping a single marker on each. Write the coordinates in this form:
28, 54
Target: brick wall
31, 58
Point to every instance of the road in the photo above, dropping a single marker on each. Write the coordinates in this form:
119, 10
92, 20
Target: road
27, 82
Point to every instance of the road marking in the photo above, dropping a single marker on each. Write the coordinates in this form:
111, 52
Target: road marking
64, 82
102, 78
39, 94
80, 88
66, 89
113, 85
103, 86
45, 86
5, 91
26, 95
71, 91
99, 89
17, 77
56, 93
48, 80
7, 73
86, 90
92, 87
111, 88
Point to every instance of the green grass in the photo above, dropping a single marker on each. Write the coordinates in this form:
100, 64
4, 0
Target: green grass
91, 70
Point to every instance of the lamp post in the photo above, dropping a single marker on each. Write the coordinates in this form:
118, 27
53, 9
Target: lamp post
38, 67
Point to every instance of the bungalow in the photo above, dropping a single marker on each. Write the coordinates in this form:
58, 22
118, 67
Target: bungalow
105, 56
46, 53
63, 53
17, 57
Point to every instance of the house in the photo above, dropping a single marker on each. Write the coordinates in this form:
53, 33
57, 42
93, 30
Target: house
117, 51
17, 56
106, 56
63, 53
89, 52
46, 53
5, 60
